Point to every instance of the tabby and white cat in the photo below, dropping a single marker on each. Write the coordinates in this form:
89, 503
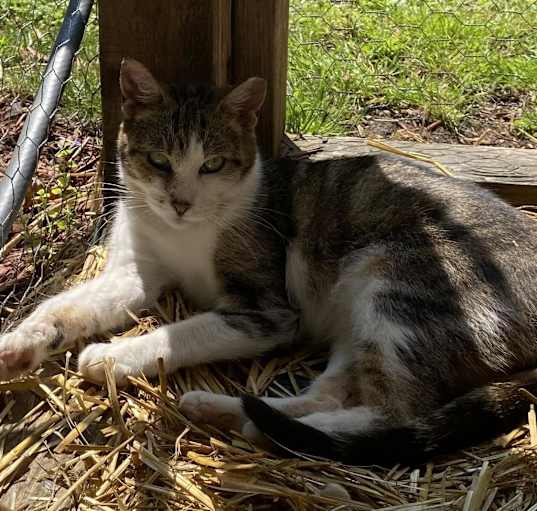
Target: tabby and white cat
424, 287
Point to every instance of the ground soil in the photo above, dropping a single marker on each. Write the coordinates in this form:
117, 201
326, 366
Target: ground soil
71, 149
491, 124
49, 474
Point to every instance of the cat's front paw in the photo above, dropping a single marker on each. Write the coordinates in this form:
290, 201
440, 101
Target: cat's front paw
92, 361
25, 348
15, 361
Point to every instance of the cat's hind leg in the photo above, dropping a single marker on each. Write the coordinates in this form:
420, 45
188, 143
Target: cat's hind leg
327, 393
226, 411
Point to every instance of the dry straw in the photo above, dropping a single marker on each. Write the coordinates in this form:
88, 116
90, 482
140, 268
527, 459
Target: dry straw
409, 154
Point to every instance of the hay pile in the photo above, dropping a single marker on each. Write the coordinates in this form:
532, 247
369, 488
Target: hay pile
88, 447
68, 443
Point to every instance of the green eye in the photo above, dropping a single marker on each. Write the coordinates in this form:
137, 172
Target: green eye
213, 165
160, 160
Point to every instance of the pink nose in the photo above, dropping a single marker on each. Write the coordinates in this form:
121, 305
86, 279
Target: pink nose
181, 206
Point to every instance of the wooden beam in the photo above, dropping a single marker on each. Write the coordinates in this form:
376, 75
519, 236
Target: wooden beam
259, 48
509, 172
176, 40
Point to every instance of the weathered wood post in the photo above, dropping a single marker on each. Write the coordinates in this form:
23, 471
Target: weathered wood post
259, 48
220, 41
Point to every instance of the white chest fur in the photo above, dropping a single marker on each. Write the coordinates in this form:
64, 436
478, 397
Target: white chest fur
189, 258
172, 258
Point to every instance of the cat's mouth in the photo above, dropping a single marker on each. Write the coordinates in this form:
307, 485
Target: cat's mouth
185, 220
191, 219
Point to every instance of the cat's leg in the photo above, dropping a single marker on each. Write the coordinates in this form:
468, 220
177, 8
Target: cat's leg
370, 390
90, 308
205, 338
226, 411
329, 391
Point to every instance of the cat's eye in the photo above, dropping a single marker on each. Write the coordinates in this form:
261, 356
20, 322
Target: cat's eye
159, 160
213, 165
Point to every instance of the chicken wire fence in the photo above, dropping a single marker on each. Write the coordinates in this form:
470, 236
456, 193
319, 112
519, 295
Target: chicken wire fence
423, 70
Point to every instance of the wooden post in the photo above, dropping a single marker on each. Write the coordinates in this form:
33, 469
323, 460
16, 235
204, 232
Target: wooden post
259, 48
177, 40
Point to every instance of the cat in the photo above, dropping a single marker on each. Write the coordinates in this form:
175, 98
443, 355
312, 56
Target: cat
424, 287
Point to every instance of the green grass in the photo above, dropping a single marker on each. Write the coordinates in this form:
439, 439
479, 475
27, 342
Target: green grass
28, 29
443, 57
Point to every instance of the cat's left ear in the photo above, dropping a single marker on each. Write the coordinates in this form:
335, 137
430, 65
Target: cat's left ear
139, 88
245, 101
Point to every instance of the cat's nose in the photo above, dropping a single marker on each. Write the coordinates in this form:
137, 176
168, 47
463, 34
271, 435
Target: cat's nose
181, 206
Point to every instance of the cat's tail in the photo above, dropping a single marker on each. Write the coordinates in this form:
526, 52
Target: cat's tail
480, 415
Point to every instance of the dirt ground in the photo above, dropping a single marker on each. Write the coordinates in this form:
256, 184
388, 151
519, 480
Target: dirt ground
74, 150
491, 124
59, 208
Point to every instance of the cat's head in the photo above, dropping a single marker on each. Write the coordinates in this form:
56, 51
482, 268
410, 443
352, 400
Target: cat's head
188, 152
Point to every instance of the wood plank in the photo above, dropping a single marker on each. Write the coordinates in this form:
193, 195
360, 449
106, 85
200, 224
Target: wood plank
186, 40
259, 48
510, 172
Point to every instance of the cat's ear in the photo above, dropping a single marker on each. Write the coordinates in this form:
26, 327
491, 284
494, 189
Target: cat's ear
139, 88
245, 101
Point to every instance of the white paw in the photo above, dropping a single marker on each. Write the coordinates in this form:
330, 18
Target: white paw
215, 409
26, 347
92, 360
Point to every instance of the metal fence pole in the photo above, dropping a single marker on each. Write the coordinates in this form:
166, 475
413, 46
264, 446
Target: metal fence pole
21, 168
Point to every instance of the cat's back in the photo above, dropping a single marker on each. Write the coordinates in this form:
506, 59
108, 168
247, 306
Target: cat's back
346, 204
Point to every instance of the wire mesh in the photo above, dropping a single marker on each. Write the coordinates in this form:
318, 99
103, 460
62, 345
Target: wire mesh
424, 70
52, 226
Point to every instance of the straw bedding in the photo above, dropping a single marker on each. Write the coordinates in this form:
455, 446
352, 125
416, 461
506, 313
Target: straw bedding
89, 447
66, 443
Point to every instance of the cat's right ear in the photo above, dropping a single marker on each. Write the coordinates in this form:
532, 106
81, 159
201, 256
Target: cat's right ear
139, 88
245, 101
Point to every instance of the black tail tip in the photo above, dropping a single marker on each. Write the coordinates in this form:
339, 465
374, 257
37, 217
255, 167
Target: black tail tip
287, 432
